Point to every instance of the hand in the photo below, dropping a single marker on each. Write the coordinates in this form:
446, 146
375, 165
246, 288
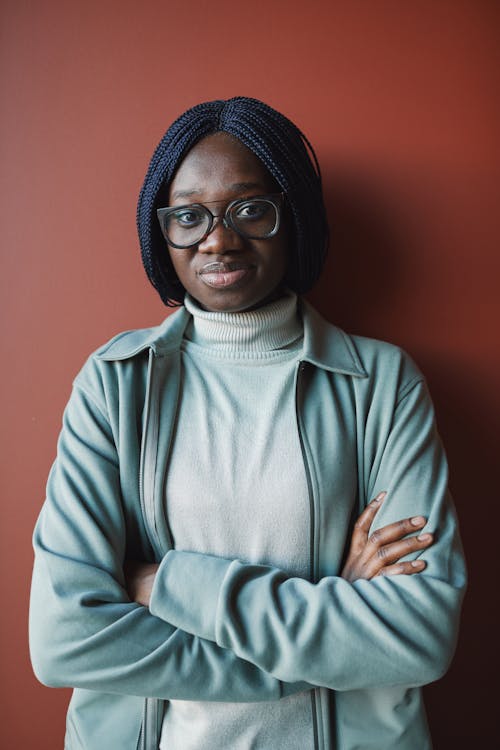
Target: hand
379, 553
139, 579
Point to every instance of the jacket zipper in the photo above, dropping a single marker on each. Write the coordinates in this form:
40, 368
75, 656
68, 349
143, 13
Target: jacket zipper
148, 736
315, 694
148, 457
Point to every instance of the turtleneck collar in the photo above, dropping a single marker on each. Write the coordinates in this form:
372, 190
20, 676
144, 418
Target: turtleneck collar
268, 328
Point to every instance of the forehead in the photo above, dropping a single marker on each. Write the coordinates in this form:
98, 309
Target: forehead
220, 163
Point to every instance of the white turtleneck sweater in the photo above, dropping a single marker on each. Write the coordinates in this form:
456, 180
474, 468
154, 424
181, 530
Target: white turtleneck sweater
236, 487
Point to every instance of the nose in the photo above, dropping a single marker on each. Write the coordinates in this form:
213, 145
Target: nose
221, 239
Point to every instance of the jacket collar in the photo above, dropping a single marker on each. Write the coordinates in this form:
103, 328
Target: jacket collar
325, 345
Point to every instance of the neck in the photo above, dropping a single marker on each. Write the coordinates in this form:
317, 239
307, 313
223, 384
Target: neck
273, 326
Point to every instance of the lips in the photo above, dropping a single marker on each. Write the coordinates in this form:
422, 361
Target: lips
220, 275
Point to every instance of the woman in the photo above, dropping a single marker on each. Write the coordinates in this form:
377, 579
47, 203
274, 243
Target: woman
192, 580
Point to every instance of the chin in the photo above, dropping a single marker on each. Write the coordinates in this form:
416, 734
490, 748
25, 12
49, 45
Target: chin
236, 303
240, 298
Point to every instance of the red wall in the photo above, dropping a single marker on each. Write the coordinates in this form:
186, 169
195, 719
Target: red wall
399, 99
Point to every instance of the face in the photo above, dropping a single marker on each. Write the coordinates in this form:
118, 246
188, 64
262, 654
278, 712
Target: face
226, 272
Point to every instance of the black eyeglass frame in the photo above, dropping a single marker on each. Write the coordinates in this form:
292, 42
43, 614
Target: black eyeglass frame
275, 199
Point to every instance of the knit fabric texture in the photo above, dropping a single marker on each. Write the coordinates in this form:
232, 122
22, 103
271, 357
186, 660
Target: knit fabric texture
236, 487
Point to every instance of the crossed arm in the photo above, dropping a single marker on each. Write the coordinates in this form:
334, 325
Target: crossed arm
218, 629
377, 624
370, 555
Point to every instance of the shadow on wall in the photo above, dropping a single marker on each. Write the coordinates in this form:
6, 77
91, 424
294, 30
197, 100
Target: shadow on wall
462, 707
371, 272
366, 265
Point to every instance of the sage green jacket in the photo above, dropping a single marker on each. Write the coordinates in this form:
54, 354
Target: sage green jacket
223, 630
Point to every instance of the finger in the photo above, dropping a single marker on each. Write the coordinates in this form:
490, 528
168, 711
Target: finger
407, 568
395, 531
365, 520
392, 553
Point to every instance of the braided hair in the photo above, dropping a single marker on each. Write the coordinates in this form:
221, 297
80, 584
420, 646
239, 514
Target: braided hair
285, 152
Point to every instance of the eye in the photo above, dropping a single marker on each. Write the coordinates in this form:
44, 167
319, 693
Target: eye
187, 217
252, 210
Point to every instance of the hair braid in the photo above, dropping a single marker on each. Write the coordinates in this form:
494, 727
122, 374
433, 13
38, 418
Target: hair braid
286, 153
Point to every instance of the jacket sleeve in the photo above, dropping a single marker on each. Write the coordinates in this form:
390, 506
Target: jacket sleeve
84, 630
398, 630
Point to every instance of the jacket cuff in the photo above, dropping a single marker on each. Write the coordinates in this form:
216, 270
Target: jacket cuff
186, 591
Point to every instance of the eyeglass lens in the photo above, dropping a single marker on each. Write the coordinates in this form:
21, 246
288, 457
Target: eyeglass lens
253, 218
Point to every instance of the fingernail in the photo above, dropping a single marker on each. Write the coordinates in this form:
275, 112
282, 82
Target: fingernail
424, 537
418, 563
380, 497
417, 520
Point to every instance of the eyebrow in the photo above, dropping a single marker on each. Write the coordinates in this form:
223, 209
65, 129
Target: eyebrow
236, 187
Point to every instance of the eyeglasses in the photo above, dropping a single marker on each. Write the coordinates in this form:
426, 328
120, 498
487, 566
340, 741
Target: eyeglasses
256, 218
